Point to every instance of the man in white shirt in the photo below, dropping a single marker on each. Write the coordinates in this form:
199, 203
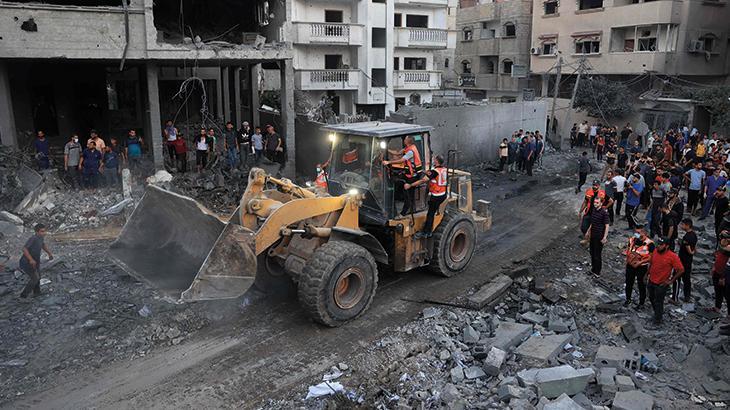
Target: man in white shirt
582, 133
593, 134
618, 196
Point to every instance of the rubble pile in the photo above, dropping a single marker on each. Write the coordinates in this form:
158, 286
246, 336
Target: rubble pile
12, 164
548, 335
101, 313
220, 190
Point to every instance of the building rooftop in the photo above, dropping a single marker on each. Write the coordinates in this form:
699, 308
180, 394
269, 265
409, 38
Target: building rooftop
378, 129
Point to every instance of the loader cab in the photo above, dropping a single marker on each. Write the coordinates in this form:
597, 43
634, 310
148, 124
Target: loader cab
358, 151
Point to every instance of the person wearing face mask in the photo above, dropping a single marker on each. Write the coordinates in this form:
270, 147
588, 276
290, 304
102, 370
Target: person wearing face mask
638, 254
664, 268
71, 158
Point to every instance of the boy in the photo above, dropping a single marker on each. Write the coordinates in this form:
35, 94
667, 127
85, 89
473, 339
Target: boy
30, 262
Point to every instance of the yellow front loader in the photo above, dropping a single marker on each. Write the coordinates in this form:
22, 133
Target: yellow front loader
330, 243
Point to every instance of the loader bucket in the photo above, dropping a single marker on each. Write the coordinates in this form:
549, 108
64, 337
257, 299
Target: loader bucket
176, 245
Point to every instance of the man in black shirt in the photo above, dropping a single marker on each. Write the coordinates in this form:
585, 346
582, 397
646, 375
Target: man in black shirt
687, 247
597, 234
30, 262
721, 207
622, 158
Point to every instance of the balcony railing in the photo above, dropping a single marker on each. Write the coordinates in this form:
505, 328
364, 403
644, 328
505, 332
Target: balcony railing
326, 79
421, 37
417, 80
327, 33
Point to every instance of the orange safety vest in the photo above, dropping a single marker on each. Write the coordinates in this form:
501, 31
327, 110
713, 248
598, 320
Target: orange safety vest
589, 197
321, 180
437, 186
349, 157
414, 165
642, 250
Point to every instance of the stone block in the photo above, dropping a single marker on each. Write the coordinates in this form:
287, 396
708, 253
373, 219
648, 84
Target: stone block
624, 383
12, 218
554, 381
509, 392
493, 362
457, 374
474, 372
469, 335
583, 401
618, 357
632, 400
561, 324
551, 295
535, 318
543, 348
564, 402
606, 380
490, 292
508, 335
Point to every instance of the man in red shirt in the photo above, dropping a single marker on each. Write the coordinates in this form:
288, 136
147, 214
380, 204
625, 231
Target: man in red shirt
665, 267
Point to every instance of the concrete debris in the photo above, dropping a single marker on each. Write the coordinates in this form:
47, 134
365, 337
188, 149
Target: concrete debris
494, 360
534, 318
431, 312
12, 218
450, 393
10, 229
624, 383
554, 381
564, 402
324, 389
632, 400
159, 178
607, 381
508, 335
699, 361
509, 392
469, 335
457, 374
474, 372
490, 292
543, 348
14, 363
118, 208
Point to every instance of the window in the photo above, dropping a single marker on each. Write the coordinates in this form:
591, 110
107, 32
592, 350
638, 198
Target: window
415, 20
377, 77
466, 34
647, 39
412, 63
333, 16
589, 4
379, 1
629, 45
486, 64
708, 42
507, 66
332, 61
378, 37
509, 30
587, 47
551, 7
466, 67
548, 48
396, 63
397, 19
446, 63
414, 99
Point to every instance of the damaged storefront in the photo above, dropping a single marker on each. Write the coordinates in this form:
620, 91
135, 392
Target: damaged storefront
74, 66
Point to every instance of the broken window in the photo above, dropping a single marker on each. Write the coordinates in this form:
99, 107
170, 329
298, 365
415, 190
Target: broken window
466, 34
507, 66
587, 47
466, 67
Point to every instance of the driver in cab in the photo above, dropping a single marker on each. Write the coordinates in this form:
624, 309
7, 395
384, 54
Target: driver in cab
414, 167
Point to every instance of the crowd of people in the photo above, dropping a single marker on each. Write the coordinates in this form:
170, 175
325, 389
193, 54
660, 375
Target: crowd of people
521, 152
676, 177
98, 162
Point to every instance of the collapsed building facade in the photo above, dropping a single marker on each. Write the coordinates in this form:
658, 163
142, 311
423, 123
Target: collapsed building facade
69, 66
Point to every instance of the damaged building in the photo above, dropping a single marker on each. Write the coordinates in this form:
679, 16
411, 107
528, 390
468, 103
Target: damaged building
70, 66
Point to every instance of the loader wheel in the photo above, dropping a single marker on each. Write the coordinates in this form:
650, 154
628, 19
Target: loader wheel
338, 283
454, 241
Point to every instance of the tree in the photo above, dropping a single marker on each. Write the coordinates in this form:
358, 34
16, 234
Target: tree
715, 99
601, 98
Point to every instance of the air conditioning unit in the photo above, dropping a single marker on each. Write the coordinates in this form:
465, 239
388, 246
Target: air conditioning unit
535, 51
696, 46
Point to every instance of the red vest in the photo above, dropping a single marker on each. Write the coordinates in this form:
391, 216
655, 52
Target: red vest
437, 186
414, 165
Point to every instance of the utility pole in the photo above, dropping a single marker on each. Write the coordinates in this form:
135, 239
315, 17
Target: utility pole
575, 91
559, 69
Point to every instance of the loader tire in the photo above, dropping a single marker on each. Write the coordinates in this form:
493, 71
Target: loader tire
338, 283
454, 241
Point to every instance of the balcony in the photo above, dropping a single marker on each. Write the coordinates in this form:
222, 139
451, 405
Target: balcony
421, 37
319, 80
423, 3
416, 80
327, 33
489, 82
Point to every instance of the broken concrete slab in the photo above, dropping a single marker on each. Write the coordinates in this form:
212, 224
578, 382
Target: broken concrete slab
539, 285
551, 295
699, 361
469, 335
509, 392
508, 335
535, 318
490, 292
493, 362
624, 383
10, 229
606, 380
12, 218
474, 372
543, 348
554, 381
583, 401
632, 400
117, 208
609, 308
561, 324
628, 330
564, 402
457, 374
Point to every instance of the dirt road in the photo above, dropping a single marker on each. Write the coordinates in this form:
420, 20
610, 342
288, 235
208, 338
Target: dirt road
272, 349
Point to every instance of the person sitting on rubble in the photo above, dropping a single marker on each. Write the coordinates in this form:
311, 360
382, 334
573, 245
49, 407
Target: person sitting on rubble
30, 261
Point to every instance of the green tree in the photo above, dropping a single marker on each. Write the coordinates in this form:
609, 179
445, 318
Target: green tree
602, 98
716, 99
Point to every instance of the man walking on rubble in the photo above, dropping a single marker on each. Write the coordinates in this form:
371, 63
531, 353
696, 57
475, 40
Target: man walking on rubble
584, 167
30, 262
664, 268
687, 248
597, 233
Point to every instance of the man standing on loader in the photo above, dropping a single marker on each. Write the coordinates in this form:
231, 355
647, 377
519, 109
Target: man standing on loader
437, 179
412, 159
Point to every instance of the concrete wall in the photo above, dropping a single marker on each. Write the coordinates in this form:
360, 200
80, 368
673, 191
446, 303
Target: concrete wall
475, 131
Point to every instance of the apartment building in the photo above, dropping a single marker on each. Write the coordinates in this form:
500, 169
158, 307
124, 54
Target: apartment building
493, 49
69, 66
669, 42
369, 56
